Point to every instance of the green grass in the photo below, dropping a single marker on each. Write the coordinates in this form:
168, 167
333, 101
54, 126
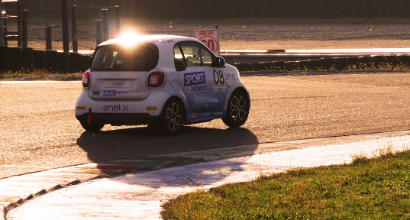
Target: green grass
366, 189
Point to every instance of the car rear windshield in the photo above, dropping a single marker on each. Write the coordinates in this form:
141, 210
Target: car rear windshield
115, 58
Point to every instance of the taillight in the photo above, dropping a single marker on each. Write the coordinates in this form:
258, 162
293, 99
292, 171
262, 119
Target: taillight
86, 79
155, 79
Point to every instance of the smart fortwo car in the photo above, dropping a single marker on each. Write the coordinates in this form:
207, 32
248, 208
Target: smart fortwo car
160, 80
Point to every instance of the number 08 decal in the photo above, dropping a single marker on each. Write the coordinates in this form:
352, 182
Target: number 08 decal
218, 77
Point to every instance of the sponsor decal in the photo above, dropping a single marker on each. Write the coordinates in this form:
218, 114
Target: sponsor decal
198, 88
195, 82
174, 83
114, 92
117, 84
191, 79
230, 76
116, 108
109, 93
122, 92
167, 41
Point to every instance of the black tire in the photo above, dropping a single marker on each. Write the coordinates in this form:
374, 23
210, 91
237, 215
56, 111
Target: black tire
172, 117
238, 109
92, 127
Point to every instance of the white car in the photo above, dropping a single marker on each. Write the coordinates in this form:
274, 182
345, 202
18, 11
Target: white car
164, 81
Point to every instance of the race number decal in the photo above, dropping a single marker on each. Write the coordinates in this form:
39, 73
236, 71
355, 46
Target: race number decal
218, 77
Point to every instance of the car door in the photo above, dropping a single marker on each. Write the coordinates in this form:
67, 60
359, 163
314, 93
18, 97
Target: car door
197, 80
219, 85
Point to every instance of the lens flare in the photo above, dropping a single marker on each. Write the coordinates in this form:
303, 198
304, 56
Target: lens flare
129, 38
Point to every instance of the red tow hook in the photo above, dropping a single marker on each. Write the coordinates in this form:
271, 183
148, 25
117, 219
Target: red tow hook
90, 116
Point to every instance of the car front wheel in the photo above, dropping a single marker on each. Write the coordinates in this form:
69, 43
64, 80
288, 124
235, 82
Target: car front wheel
238, 109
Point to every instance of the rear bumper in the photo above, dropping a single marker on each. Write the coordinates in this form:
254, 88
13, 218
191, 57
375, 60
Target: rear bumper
151, 105
118, 119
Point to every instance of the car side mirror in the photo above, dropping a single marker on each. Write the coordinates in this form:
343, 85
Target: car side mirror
180, 65
220, 62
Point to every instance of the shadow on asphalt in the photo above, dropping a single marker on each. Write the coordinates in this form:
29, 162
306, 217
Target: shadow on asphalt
135, 144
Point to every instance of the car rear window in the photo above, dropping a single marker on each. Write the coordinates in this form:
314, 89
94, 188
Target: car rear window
115, 58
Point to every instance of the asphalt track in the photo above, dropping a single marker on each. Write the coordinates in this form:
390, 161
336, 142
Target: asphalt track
38, 129
141, 195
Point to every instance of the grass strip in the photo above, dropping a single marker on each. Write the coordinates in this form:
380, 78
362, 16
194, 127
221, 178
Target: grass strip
366, 189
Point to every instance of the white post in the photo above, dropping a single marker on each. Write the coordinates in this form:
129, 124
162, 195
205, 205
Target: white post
1, 25
217, 40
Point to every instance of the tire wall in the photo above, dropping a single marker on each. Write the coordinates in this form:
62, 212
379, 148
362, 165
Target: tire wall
17, 59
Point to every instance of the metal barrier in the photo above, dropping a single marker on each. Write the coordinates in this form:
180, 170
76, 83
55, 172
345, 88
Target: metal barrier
1, 26
18, 59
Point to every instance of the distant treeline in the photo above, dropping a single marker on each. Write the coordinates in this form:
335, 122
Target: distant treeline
209, 9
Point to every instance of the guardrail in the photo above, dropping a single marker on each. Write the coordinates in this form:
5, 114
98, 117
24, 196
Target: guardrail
17, 59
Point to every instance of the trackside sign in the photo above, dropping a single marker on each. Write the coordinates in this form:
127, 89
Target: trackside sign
209, 37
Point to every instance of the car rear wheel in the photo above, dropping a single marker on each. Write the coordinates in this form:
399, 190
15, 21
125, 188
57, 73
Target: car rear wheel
171, 119
238, 109
91, 126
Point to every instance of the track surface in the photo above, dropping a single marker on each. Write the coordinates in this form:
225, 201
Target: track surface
38, 129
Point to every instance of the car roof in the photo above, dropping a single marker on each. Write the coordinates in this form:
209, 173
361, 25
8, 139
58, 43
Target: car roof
154, 39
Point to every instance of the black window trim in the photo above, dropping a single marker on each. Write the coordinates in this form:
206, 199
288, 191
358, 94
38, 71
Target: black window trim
201, 46
180, 50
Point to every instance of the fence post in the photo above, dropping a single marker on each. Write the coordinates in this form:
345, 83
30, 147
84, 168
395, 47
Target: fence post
19, 24
49, 40
74, 35
24, 29
98, 34
64, 20
1, 26
5, 32
118, 18
104, 14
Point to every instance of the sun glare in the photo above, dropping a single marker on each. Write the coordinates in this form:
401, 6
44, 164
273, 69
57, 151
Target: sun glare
129, 38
